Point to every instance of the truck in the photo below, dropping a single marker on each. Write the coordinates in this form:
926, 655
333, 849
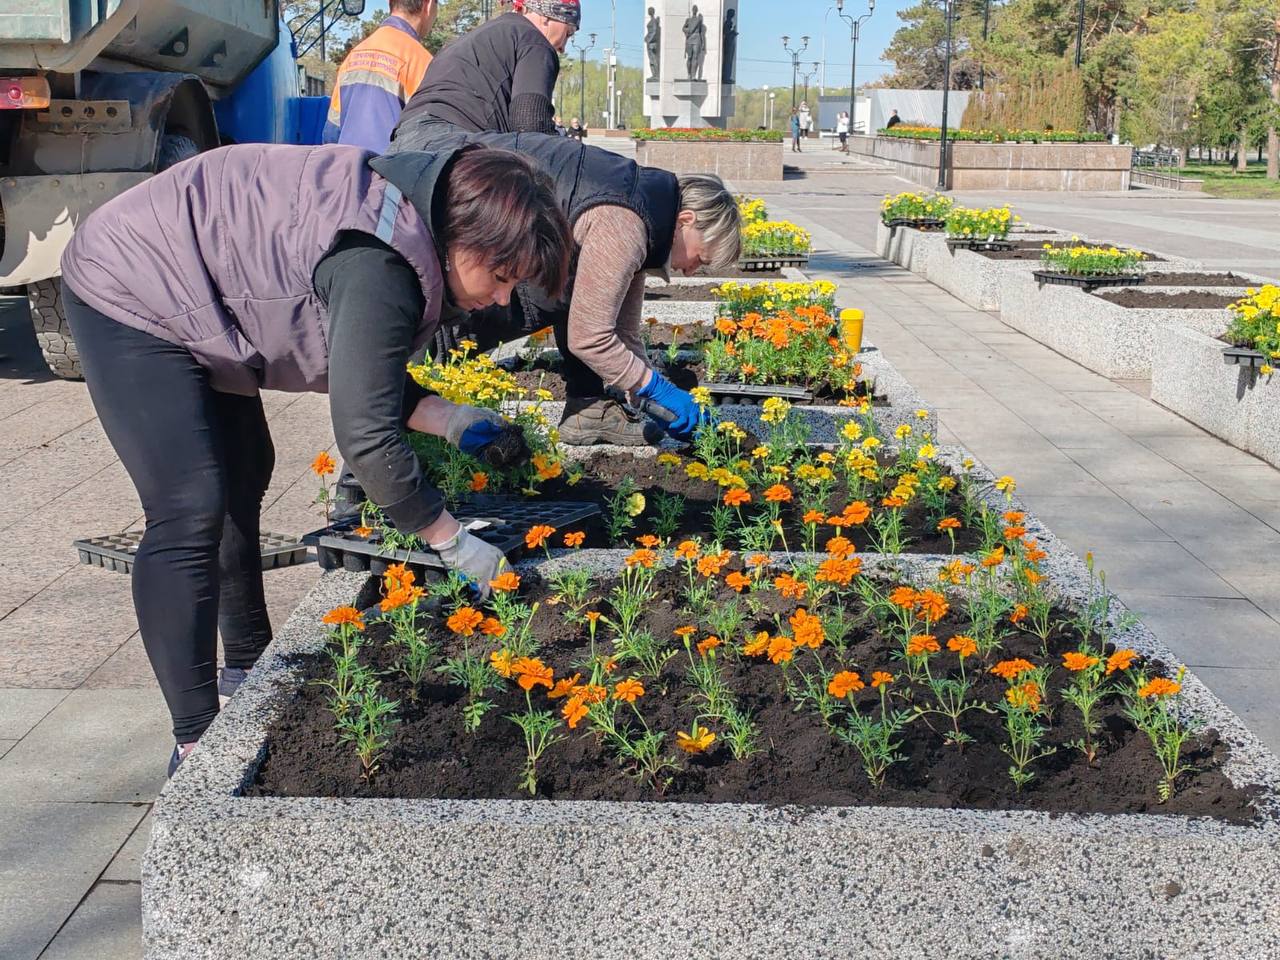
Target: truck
98, 95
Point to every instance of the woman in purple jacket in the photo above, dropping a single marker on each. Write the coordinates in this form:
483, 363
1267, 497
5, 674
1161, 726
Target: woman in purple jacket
318, 269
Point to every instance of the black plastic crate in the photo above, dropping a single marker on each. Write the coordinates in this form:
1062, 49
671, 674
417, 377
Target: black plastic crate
501, 521
973, 243
753, 394
1045, 277
117, 551
773, 262
1242, 357
919, 223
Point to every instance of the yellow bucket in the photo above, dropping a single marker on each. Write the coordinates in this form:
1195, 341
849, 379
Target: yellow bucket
851, 329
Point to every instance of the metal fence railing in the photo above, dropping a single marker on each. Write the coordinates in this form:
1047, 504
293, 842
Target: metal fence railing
1156, 168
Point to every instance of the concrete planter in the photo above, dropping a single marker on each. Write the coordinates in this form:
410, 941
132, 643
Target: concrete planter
1111, 340
1004, 166
1189, 377
729, 160
264, 878
682, 311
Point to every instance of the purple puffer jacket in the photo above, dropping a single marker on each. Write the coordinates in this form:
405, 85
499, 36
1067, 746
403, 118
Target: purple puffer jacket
217, 254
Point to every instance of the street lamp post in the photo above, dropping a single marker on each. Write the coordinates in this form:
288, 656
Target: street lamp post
855, 29
582, 91
1080, 34
986, 27
809, 75
613, 65
764, 111
948, 11
795, 62
771, 96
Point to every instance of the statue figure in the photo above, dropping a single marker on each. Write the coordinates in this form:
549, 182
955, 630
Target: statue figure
695, 44
653, 43
729, 46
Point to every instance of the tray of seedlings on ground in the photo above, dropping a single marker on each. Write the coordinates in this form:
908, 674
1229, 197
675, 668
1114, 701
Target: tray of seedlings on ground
980, 229
770, 244
688, 671
920, 211
1089, 267
118, 551
1254, 332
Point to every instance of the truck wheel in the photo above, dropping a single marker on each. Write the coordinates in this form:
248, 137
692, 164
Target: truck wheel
52, 332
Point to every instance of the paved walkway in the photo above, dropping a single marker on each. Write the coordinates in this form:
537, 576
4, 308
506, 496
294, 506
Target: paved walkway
1186, 526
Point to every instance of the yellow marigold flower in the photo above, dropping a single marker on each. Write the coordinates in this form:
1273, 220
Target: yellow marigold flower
701, 396
903, 431
635, 504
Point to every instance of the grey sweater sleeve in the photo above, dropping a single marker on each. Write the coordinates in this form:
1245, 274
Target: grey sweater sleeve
375, 304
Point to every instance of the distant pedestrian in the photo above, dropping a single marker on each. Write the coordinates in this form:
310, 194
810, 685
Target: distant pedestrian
893, 121
842, 131
806, 119
560, 128
795, 130
577, 131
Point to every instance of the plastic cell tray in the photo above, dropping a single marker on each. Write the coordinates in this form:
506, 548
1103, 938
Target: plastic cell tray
117, 551
1044, 277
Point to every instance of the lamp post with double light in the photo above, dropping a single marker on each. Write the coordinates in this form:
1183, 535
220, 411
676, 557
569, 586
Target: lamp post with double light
855, 30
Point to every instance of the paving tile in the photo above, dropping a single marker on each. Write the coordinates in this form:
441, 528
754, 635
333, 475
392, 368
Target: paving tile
6, 746
1153, 567
50, 856
1211, 632
106, 926
1252, 695
1125, 461
109, 745
127, 668
1102, 516
126, 866
21, 709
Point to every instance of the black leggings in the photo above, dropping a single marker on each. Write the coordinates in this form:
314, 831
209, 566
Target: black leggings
201, 462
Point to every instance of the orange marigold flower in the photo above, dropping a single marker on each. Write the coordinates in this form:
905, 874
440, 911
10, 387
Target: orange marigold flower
1019, 614
683, 632
362, 531
492, 627
712, 564
880, 678
903, 597
790, 587
932, 605
574, 711
564, 687
1014, 516
506, 582
808, 629
537, 536
1026, 695
479, 481
893, 502
1011, 669
839, 547
757, 646
501, 661
844, 683
641, 558
396, 576
400, 597
994, 558
593, 693
575, 539
736, 497
726, 326
323, 464
781, 649
706, 644
1015, 533
1160, 687
948, 523
813, 517
778, 493
610, 664
738, 581
838, 571
1121, 660
531, 672
593, 615
648, 540
344, 617
629, 690
957, 572
855, 513
922, 644
1075, 661
695, 742
1032, 552
465, 620
757, 560
1034, 577
962, 645
688, 550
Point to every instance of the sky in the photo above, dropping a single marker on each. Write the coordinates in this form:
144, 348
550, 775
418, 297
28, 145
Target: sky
761, 57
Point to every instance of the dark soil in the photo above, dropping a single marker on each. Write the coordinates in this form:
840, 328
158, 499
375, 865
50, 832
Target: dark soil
681, 292
605, 471
1185, 300
1198, 280
737, 273
799, 762
1032, 250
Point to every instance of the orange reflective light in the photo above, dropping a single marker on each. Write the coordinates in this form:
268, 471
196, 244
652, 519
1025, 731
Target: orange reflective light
24, 93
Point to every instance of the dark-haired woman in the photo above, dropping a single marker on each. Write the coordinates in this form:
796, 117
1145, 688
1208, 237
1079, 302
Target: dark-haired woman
319, 269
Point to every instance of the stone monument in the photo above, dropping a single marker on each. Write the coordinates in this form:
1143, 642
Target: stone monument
692, 48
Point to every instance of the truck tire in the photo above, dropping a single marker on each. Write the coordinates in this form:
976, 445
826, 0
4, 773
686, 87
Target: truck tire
45, 296
52, 332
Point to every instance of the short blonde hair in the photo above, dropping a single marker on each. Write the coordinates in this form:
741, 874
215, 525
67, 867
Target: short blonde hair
716, 216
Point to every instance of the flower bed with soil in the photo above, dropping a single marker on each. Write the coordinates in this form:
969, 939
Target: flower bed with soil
1160, 300
681, 292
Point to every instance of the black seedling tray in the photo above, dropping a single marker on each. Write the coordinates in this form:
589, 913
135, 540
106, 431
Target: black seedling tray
973, 243
1242, 357
923, 223
501, 521
751, 394
1044, 277
773, 263
117, 551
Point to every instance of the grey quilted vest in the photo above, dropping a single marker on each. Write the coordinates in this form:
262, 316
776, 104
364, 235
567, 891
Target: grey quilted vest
217, 254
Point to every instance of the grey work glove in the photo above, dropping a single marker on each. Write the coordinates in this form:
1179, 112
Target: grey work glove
470, 556
472, 427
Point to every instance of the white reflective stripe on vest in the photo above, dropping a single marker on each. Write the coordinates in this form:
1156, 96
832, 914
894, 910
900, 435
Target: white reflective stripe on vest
390, 209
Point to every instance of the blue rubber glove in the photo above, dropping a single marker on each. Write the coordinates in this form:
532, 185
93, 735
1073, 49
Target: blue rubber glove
479, 435
471, 429
689, 416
